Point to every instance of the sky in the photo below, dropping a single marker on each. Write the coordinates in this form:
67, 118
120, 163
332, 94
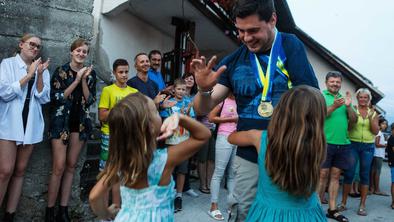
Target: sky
360, 32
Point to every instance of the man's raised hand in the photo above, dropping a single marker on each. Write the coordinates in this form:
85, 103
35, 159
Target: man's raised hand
205, 77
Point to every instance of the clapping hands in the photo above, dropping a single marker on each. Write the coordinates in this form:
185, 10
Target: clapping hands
84, 73
371, 113
348, 99
38, 66
42, 66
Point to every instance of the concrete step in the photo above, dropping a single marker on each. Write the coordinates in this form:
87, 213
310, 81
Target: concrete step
93, 147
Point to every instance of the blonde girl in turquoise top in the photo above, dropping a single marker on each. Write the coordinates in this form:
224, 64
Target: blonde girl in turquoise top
362, 135
290, 154
144, 172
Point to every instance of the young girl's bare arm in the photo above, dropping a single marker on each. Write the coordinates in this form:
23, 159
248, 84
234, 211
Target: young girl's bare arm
246, 138
377, 143
98, 202
214, 116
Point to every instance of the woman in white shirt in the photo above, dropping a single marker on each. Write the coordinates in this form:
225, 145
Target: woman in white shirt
380, 146
24, 87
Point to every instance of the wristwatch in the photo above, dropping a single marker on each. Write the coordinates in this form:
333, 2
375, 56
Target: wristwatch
205, 93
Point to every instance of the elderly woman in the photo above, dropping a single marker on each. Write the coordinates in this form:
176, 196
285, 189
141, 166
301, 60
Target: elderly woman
73, 90
24, 87
362, 136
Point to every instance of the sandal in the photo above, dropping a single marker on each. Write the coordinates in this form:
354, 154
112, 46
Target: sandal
362, 212
355, 195
334, 214
204, 190
341, 207
323, 200
380, 193
216, 214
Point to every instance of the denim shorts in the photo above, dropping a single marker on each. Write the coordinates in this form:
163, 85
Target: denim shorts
392, 174
339, 156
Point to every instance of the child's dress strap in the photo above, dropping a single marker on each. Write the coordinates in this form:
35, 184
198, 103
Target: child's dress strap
157, 165
263, 147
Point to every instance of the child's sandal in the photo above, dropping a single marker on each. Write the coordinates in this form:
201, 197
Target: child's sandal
334, 214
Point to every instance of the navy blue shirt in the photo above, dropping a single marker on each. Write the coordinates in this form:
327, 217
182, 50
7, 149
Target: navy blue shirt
241, 80
148, 88
390, 151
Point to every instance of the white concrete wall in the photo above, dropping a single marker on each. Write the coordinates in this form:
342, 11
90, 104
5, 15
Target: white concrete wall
124, 35
321, 67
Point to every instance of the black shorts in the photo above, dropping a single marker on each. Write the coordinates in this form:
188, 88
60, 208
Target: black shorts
182, 168
339, 156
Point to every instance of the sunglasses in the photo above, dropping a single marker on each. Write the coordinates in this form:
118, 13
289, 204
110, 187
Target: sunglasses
33, 45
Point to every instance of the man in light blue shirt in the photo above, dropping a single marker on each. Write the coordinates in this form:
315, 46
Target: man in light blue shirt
154, 72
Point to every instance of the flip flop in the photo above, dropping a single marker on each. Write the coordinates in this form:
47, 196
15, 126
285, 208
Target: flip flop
362, 212
206, 191
324, 201
381, 193
216, 214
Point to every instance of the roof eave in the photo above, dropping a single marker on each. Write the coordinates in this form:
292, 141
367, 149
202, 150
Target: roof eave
287, 24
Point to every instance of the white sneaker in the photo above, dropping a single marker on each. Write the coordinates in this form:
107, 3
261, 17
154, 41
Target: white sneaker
191, 193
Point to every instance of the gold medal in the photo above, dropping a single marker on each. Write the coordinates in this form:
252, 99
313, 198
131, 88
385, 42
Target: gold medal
265, 109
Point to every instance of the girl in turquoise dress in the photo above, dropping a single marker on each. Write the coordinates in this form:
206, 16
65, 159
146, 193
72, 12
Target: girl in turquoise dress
144, 172
290, 154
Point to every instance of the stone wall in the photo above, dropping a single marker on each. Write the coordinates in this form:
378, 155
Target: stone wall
58, 23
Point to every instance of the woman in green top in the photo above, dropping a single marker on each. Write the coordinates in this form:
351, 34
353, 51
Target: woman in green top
362, 136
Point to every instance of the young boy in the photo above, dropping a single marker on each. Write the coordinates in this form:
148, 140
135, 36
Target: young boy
109, 97
390, 154
179, 104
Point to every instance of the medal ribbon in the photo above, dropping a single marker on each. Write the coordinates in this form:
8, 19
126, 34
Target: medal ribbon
275, 63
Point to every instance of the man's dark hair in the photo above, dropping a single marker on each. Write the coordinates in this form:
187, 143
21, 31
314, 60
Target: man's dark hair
119, 62
136, 56
154, 52
381, 120
333, 74
262, 8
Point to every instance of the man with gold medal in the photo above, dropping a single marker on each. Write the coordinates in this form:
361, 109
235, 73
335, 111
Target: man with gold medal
266, 65
265, 80
265, 109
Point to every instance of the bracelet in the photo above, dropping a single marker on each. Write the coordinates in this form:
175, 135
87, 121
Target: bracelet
205, 93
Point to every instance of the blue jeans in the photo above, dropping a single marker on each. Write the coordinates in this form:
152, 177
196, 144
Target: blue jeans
364, 153
225, 155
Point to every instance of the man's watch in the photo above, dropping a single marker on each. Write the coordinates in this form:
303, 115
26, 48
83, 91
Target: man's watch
205, 93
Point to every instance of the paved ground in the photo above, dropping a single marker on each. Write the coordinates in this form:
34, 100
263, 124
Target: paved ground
378, 207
